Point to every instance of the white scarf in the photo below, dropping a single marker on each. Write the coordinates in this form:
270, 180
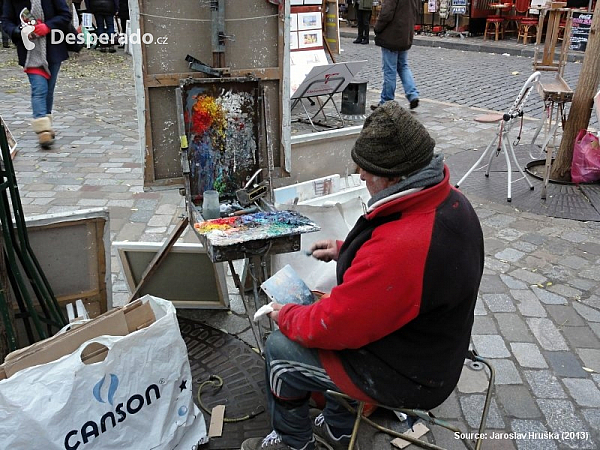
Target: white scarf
36, 57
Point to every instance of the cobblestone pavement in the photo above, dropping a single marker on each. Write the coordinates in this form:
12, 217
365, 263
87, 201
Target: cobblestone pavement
538, 315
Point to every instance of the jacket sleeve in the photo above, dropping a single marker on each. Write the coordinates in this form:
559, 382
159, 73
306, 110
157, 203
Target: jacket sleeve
386, 15
62, 16
380, 293
10, 21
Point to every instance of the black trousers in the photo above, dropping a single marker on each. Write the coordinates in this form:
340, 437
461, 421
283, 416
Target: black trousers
363, 18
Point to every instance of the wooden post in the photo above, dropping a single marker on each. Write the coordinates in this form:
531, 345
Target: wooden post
581, 108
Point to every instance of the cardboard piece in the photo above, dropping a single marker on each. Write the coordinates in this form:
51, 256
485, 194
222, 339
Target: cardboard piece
416, 432
117, 322
217, 417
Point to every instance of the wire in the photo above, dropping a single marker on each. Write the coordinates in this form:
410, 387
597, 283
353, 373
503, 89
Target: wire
184, 19
217, 382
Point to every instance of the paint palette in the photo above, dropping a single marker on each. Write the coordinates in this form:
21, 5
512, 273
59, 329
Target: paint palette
273, 232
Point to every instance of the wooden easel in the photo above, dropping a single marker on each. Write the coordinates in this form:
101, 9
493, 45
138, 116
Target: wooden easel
554, 92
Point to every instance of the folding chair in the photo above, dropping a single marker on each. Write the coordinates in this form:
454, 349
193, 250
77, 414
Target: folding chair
501, 141
476, 361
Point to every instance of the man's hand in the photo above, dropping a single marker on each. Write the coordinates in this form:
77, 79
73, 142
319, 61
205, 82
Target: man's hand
325, 250
275, 314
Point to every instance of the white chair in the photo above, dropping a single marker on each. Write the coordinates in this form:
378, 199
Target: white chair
501, 141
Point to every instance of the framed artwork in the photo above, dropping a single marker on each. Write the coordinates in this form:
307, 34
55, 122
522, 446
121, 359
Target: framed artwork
293, 40
309, 21
310, 38
293, 22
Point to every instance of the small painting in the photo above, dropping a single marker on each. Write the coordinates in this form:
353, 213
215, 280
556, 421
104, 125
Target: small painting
309, 21
311, 38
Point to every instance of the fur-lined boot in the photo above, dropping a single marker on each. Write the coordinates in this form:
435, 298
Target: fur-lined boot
43, 127
49, 116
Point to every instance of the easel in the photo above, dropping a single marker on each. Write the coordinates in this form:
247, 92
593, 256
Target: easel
555, 93
329, 98
325, 81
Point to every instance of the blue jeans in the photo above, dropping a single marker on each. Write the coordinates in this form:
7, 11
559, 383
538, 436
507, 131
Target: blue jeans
42, 91
293, 372
105, 27
396, 62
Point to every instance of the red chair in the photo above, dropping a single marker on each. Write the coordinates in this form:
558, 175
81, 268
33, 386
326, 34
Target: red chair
494, 25
527, 26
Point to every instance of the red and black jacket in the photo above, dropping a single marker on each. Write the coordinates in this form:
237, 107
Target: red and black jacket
396, 329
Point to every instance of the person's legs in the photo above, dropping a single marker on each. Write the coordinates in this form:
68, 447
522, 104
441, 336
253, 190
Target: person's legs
54, 69
389, 61
359, 24
39, 95
366, 20
293, 372
406, 76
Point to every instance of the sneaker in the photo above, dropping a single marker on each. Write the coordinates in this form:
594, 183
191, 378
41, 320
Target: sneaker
324, 435
273, 442
374, 107
112, 49
414, 103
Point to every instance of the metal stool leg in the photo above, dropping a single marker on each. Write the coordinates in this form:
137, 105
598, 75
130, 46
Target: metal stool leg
476, 165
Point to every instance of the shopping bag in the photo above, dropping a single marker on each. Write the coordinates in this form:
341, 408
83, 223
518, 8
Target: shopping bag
137, 395
585, 167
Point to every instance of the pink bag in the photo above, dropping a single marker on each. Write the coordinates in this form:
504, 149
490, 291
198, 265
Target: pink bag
585, 167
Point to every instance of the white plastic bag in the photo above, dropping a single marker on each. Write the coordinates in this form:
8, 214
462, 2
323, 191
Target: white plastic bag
139, 397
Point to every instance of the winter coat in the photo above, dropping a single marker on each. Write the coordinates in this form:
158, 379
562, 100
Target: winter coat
395, 24
102, 7
56, 16
364, 4
396, 328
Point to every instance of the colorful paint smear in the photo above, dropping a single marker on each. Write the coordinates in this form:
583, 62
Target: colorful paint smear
249, 227
222, 125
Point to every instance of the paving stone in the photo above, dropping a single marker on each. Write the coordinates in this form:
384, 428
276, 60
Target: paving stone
472, 381
510, 255
450, 409
484, 325
489, 346
547, 334
595, 327
506, 372
513, 327
532, 435
590, 358
589, 314
564, 315
528, 303
528, 355
547, 297
491, 284
544, 384
499, 302
581, 337
584, 392
472, 406
528, 277
512, 283
518, 402
592, 416
561, 418
565, 364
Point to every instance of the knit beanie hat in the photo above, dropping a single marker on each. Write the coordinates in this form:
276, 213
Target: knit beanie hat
392, 142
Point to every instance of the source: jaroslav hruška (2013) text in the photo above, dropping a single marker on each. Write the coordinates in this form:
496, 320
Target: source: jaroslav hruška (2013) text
532, 435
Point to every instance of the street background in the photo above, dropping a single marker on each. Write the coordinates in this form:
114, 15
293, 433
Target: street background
538, 314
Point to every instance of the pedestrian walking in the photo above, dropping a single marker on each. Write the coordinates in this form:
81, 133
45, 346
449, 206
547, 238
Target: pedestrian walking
42, 62
396, 256
123, 14
104, 12
5, 36
394, 31
363, 15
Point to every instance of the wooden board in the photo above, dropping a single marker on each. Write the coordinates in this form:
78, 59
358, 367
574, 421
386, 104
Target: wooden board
254, 38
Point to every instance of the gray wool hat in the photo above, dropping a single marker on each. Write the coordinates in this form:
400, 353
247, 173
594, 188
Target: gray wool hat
392, 142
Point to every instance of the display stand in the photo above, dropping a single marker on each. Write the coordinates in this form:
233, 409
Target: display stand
324, 81
555, 92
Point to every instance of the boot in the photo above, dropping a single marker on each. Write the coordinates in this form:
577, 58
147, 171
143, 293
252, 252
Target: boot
43, 127
49, 116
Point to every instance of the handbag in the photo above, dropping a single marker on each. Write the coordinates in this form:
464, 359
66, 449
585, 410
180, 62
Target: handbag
75, 43
585, 166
